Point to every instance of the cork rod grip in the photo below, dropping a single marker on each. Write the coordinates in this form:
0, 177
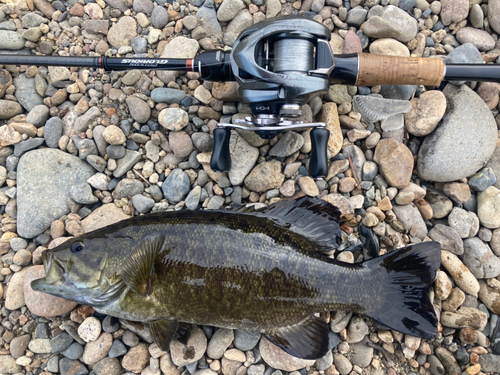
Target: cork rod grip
393, 70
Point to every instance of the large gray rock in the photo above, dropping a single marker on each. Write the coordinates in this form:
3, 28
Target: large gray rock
44, 179
464, 141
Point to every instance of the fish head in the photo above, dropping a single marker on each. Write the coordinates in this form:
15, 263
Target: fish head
83, 270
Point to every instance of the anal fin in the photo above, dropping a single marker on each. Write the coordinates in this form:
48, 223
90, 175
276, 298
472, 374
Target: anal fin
307, 339
138, 269
163, 332
183, 332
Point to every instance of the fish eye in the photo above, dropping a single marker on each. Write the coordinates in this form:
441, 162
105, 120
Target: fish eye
76, 246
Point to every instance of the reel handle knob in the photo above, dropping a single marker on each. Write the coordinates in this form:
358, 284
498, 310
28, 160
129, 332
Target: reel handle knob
221, 158
318, 165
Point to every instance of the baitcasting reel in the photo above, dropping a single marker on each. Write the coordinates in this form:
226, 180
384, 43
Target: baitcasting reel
279, 65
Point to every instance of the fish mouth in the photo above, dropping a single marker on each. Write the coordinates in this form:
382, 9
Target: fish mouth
55, 274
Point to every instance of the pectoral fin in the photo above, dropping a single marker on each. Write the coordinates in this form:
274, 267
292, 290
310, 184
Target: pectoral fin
307, 339
163, 332
138, 270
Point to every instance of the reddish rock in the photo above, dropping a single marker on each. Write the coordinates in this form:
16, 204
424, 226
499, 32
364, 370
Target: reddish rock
453, 11
43, 304
77, 10
45, 7
352, 43
395, 161
136, 359
180, 143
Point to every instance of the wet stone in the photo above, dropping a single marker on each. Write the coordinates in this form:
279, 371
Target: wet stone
25, 91
441, 205
362, 354
142, 203
74, 351
176, 186
245, 341
219, 342
449, 362
107, 366
480, 260
53, 131
117, 349
167, 95
192, 352
72, 367
448, 237
61, 342
18, 345
483, 179
97, 349
24, 146
287, 145
82, 193
342, 364
465, 223
115, 151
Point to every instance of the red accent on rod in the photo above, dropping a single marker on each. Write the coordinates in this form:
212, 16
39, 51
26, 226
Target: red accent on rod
100, 62
189, 65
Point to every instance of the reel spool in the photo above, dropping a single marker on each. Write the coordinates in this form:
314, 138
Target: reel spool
279, 67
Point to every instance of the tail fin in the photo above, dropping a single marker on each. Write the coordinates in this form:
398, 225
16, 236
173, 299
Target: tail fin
406, 276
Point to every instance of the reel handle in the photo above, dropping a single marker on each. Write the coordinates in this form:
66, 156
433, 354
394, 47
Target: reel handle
221, 158
318, 165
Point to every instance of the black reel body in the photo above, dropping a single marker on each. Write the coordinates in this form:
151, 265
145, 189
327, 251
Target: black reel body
280, 65
274, 63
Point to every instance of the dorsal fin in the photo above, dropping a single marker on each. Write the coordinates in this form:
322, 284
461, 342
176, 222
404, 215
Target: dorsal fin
312, 218
138, 269
307, 339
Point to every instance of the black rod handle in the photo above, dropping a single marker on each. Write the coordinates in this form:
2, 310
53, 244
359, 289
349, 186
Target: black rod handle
107, 63
472, 72
66, 61
221, 158
318, 165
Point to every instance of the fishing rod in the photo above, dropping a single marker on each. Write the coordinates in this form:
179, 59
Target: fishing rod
281, 64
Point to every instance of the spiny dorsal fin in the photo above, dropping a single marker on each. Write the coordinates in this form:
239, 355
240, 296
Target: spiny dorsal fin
163, 332
307, 339
312, 218
138, 269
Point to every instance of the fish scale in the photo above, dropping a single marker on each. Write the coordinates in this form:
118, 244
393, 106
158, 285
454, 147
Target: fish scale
255, 270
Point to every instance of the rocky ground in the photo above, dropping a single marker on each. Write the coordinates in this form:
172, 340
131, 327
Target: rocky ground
83, 148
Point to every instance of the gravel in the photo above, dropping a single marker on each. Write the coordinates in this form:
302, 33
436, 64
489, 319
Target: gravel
84, 148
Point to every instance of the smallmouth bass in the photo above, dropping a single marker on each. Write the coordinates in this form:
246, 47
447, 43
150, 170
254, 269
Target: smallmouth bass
243, 269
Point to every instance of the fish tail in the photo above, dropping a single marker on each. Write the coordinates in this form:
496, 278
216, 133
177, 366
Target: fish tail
403, 279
